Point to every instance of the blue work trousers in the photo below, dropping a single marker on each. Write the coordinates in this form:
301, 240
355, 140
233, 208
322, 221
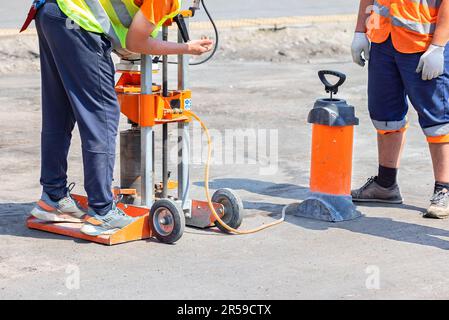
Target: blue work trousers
77, 87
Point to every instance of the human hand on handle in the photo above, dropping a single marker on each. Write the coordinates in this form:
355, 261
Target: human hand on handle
431, 63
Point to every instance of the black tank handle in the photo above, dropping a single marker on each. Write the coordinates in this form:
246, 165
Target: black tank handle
331, 88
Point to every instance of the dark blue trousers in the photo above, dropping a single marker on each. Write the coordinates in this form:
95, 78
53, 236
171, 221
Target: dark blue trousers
77, 87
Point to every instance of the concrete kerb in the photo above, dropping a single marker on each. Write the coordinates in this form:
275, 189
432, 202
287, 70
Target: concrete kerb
236, 23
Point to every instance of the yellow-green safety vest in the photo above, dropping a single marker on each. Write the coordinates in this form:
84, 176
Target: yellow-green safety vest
109, 17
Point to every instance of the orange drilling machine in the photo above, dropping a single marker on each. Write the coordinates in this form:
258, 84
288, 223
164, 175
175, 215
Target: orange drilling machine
147, 105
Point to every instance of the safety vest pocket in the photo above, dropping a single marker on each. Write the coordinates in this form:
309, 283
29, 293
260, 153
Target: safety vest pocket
93, 41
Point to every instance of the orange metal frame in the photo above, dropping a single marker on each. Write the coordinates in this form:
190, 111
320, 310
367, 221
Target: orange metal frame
147, 110
138, 230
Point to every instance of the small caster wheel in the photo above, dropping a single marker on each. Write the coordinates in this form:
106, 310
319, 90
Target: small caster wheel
167, 221
233, 208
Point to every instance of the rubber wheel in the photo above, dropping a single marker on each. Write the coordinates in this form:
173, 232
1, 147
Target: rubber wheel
167, 221
233, 208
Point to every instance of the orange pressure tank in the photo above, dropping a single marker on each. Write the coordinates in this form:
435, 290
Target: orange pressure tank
333, 123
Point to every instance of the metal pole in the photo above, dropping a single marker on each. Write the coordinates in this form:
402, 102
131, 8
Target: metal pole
183, 136
147, 146
165, 65
165, 125
183, 63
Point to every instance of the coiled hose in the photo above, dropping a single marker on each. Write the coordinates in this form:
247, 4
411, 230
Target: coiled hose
206, 186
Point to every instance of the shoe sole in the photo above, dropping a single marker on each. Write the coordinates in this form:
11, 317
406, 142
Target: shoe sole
54, 216
96, 231
434, 216
378, 201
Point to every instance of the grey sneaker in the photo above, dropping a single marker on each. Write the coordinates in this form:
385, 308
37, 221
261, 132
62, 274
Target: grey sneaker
439, 205
373, 192
108, 224
65, 210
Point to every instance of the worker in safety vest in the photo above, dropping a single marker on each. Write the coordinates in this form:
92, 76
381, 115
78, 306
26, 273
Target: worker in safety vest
76, 38
405, 42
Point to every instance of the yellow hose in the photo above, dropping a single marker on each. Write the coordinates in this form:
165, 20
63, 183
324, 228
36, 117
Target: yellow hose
206, 187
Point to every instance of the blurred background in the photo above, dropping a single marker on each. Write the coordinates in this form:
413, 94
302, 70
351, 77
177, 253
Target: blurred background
12, 13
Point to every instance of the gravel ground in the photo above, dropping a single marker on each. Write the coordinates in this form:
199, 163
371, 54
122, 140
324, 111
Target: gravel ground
306, 43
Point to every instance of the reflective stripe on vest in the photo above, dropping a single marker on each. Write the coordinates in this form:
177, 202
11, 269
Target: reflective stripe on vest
115, 31
422, 28
122, 12
381, 10
110, 17
411, 23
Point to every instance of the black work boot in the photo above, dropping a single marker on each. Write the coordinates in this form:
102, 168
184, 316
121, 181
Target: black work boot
373, 192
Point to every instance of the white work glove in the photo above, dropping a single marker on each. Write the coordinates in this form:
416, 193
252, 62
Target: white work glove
431, 63
360, 48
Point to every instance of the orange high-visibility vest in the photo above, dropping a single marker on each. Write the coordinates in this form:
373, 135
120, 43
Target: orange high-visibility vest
411, 23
